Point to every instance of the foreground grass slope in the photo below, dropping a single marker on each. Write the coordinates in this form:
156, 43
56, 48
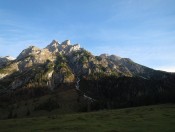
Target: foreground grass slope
158, 118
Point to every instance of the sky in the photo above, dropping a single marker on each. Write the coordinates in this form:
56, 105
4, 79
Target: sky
143, 30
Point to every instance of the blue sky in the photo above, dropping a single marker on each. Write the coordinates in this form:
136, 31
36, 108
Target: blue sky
143, 30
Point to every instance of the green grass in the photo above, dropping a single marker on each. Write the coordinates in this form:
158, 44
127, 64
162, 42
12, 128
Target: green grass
158, 118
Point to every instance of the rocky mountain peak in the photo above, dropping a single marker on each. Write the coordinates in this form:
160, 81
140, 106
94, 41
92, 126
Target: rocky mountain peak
66, 42
54, 41
53, 46
65, 47
6, 59
62, 63
82, 78
111, 57
104, 55
114, 57
29, 51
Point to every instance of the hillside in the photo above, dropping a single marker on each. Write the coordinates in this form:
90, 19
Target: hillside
160, 118
63, 63
65, 78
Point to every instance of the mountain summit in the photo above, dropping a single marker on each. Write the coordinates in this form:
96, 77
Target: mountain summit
65, 61
65, 47
78, 80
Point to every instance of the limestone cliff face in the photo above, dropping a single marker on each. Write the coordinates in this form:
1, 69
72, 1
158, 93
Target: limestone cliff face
33, 56
65, 47
35, 67
61, 63
53, 46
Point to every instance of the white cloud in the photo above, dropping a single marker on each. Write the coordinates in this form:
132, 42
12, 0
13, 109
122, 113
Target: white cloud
166, 68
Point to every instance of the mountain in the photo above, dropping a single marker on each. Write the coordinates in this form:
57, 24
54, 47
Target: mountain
106, 81
64, 62
5, 60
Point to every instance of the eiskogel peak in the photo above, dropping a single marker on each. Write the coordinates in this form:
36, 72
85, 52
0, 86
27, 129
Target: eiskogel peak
65, 47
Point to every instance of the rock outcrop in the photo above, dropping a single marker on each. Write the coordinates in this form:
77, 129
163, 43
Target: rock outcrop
64, 48
5, 60
53, 46
62, 62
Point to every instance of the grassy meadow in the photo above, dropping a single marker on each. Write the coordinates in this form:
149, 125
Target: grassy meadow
156, 118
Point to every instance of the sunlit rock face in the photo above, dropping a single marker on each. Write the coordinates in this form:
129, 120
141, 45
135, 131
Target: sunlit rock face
63, 62
53, 46
65, 47
66, 42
